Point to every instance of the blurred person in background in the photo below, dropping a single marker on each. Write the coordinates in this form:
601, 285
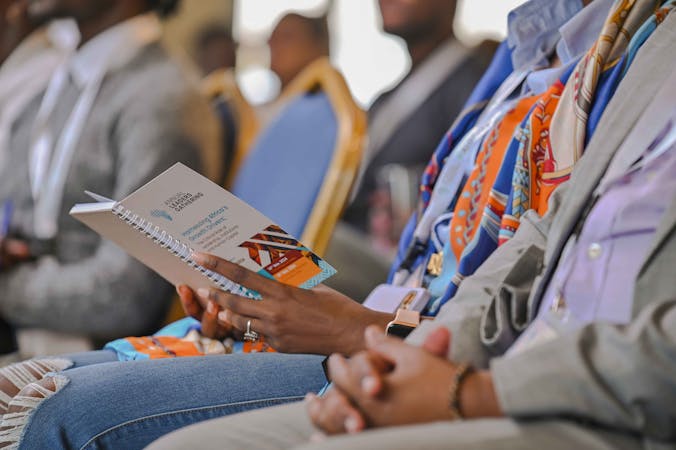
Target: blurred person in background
215, 49
404, 124
295, 42
29, 53
115, 114
408, 120
14, 26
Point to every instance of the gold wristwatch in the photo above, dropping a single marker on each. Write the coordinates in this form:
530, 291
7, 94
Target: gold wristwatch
404, 322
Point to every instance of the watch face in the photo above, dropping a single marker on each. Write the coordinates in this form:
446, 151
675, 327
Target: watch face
399, 330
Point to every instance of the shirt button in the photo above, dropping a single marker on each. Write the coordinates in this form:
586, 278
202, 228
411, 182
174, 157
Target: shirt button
594, 250
559, 304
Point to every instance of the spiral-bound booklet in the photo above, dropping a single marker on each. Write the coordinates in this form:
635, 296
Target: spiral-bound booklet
179, 212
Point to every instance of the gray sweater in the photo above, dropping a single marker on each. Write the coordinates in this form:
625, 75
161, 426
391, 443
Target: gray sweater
146, 117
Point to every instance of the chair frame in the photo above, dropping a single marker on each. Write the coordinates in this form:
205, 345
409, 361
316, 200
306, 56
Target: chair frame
222, 83
347, 154
350, 140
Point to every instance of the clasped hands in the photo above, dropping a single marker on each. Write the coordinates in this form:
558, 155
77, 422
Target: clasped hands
394, 383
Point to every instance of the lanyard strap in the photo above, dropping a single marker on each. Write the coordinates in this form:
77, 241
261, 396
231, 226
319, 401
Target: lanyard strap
52, 183
457, 166
50, 162
42, 143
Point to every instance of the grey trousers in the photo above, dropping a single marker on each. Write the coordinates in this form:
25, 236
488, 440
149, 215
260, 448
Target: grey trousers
287, 427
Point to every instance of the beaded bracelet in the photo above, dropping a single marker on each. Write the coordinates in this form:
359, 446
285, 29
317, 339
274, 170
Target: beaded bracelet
461, 371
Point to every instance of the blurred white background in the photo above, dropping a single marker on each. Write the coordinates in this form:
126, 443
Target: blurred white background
370, 60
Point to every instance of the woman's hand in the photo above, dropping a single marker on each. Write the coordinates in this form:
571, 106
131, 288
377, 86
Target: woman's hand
212, 327
293, 320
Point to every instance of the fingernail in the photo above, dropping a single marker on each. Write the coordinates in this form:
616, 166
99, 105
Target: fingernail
198, 258
223, 316
211, 308
368, 384
351, 425
178, 289
203, 292
335, 359
309, 397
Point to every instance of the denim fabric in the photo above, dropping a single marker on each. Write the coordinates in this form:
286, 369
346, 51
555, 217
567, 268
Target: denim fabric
127, 405
82, 359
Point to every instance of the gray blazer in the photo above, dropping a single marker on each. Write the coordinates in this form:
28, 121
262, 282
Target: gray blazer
146, 117
622, 377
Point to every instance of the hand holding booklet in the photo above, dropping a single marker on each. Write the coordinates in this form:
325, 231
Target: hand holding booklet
179, 212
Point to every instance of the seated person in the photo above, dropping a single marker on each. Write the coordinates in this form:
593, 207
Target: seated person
14, 26
215, 49
405, 122
565, 338
29, 54
115, 114
295, 42
317, 321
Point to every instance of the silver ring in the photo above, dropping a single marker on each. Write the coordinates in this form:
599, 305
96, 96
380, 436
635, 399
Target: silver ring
250, 335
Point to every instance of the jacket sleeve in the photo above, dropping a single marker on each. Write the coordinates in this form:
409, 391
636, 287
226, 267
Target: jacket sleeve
109, 294
617, 376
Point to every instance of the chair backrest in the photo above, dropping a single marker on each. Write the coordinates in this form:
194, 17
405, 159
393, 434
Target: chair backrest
302, 167
237, 116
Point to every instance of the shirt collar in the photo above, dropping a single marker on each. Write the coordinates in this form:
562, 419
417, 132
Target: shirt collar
582, 30
114, 47
577, 35
61, 36
533, 30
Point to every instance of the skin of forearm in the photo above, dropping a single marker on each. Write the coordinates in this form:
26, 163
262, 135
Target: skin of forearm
351, 339
477, 396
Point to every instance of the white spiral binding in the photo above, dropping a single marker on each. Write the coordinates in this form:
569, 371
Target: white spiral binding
175, 247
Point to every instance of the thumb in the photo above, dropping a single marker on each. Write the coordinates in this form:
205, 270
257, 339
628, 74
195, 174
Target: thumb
190, 306
389, 348
438, 342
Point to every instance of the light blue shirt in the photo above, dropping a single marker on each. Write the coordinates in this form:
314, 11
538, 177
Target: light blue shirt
533, 30
539, 28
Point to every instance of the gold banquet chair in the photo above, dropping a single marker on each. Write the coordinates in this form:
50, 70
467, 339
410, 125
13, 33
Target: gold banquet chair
302, 167
319, 125
237, 116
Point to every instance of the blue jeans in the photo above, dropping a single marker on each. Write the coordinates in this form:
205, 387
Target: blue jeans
128, 405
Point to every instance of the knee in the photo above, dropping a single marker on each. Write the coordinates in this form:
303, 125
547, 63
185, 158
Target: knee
15, 377
34, 393
23, 405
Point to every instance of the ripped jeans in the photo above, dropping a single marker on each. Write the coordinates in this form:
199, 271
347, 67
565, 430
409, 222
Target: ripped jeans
92, 401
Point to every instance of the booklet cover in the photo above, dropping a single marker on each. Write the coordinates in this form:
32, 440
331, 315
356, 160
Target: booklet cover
181, 211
